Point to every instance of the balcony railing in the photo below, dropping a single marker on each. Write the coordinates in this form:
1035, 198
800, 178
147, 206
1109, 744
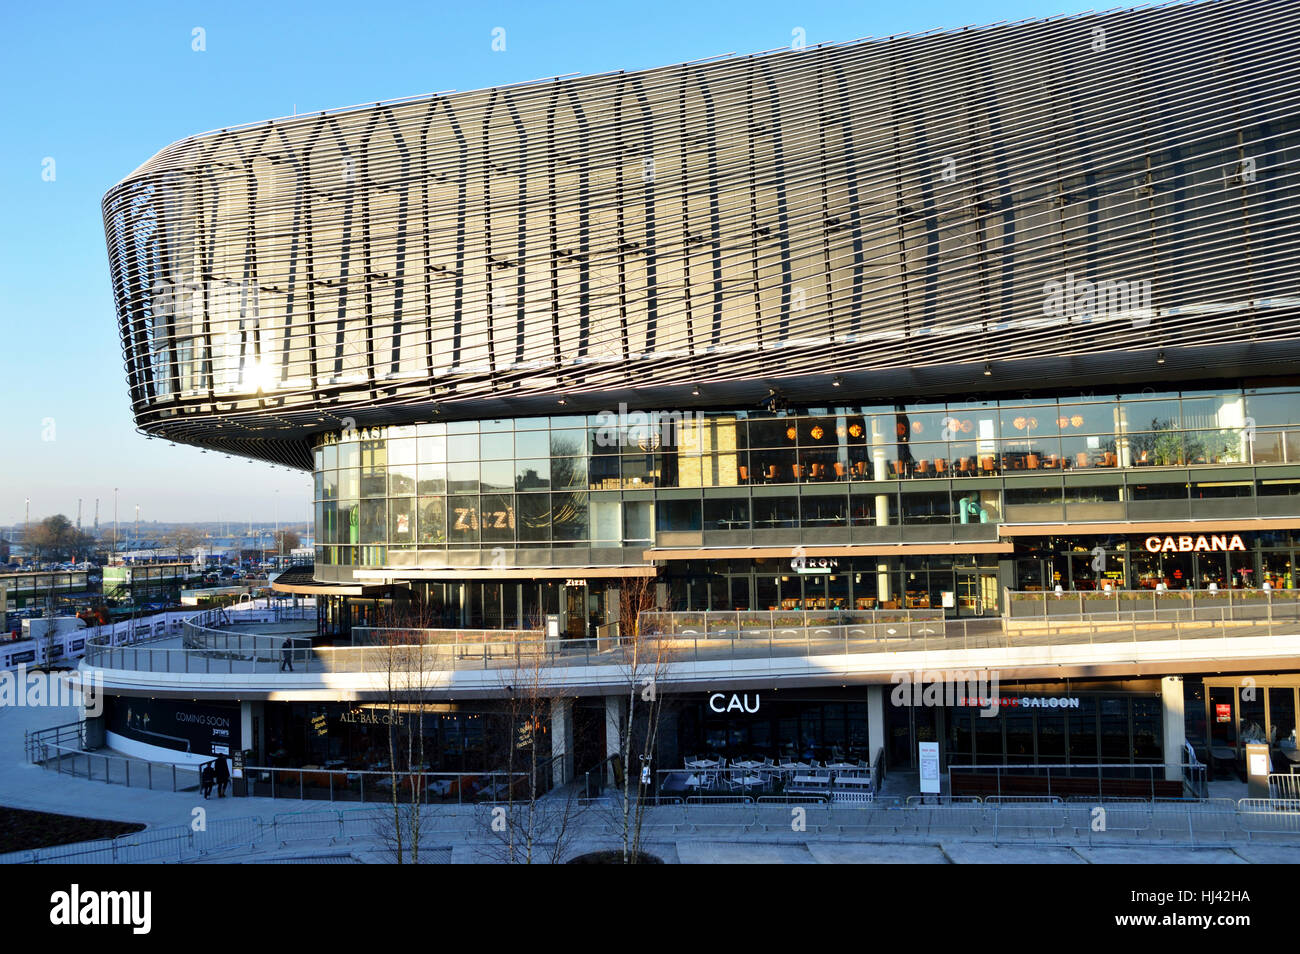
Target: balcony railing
670, 638
1169, 605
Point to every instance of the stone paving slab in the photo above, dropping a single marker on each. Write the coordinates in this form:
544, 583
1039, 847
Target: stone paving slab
731, 853
1143, 855
859, 854
963, 853
1268, 854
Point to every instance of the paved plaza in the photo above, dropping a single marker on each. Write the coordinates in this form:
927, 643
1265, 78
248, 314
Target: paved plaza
267, 830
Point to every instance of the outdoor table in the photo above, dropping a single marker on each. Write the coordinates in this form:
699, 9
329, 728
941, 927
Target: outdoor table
748, 766
749, 781
702, 764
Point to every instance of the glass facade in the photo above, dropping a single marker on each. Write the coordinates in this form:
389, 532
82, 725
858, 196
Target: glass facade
617, 480
1100, 729
1126, 563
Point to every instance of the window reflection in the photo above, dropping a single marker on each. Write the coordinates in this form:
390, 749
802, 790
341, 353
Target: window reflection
378, 490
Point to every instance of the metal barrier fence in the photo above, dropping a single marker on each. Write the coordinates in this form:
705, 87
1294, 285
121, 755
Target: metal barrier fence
1283, 785
179, 843
1171, 823
1269, 816
363, 636
438, 651
729, 623
114, 769
427, 788
61, 749
1214, 822
1154, 605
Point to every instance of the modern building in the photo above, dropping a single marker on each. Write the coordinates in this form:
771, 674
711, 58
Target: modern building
146, 582
937, 324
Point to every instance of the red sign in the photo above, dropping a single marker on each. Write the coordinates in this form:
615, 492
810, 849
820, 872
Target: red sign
1223, 712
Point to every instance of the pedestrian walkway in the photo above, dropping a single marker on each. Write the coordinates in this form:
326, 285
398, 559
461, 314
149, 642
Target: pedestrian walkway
267, 830
23, 785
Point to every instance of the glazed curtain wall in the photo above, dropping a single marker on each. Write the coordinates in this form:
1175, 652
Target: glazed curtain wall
885, 204
615, 480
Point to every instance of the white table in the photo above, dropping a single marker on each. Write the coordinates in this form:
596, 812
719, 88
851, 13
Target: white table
747, 766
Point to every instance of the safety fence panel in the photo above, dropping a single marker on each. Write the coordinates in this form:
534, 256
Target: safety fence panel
154, 845
1028, 818
306, 826
225, 834
1269, 816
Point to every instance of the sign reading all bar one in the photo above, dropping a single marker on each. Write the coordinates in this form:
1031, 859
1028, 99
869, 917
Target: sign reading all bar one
1190, 544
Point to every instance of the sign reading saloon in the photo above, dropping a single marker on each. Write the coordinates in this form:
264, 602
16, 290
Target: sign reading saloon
1190, 544
1022, 702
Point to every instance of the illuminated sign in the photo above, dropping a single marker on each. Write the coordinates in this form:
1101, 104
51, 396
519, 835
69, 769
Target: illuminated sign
1223, 712
363, 715
806, 564
1190, 544
737, 702
1021, 702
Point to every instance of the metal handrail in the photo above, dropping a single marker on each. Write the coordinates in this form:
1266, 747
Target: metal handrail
924, 636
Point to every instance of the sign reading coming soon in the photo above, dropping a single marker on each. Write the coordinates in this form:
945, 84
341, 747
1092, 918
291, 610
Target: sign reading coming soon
1190, 544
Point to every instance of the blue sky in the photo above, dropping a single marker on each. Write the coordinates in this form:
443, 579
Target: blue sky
99, 88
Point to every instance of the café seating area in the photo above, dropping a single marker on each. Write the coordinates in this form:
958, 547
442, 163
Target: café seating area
716, 776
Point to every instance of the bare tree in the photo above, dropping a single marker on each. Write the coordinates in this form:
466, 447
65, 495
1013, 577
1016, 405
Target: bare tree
183, 541
643, 659
286, 541
537, 822
408, 662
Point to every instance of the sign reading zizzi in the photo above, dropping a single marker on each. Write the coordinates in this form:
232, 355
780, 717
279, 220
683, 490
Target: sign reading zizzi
1190, 544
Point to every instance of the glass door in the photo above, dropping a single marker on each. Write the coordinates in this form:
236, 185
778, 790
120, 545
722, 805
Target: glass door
968, 594
1222, 701
977, 593
575, 611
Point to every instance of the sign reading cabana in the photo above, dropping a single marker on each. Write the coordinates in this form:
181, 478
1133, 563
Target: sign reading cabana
1199, 544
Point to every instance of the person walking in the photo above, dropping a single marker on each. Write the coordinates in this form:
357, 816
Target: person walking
207, 777
286, 654
223, 776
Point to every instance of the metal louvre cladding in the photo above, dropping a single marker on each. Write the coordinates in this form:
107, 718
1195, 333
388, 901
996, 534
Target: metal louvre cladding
920, 205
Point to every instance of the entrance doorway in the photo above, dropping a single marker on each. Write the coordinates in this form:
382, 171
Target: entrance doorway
584, 609
575, 611
1222, 702
905, 726
977, 593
